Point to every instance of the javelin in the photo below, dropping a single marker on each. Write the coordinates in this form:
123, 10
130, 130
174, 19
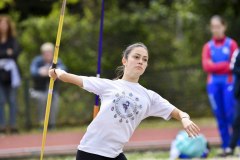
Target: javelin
96, 106
51, 83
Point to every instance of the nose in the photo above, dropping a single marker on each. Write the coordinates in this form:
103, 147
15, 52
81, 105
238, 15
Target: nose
140, 61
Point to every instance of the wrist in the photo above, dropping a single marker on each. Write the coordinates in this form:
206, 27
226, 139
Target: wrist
59, 73
9, 52
184, 115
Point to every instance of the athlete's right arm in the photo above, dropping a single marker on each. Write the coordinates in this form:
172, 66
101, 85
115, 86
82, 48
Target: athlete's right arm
66, 77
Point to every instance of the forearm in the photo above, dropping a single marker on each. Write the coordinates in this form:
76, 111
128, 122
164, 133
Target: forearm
178, 114
70, 78
218, 68
209, 66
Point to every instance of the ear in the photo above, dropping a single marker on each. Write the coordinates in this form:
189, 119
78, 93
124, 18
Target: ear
124, 61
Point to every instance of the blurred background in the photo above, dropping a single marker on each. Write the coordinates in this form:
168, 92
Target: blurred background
173, 30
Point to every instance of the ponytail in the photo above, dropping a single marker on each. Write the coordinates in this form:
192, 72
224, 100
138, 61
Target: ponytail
119, 72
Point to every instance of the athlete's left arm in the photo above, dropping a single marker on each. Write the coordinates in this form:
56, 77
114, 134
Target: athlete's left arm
191, 128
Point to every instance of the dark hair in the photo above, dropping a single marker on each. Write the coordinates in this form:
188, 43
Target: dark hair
120, 69
11, 27
219, 18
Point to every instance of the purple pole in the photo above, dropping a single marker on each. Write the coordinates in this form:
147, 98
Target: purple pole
100, 40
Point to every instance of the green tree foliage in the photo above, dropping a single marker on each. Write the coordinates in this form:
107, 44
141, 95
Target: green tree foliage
5, 3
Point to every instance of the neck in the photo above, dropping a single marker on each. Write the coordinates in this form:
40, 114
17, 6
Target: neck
222, 37
130, 78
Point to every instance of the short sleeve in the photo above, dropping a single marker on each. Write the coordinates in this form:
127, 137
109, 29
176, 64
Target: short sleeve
160, 107
95, 85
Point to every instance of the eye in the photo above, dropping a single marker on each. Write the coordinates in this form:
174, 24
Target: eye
145, 60
136, 57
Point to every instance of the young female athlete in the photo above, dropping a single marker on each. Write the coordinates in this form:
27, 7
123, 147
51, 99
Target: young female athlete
216, 58
124, 104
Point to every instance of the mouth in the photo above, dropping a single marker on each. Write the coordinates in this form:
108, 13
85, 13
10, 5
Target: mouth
139, 67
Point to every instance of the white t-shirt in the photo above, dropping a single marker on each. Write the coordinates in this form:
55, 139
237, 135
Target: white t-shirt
123, 106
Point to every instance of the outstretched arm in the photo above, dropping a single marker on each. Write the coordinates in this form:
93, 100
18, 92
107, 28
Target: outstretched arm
191, 128
66, 77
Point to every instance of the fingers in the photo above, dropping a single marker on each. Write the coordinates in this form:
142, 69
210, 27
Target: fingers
52, 74
188, 132
192, 130
59, 72
196, 127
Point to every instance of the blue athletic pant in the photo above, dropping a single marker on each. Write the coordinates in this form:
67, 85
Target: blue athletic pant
222, 101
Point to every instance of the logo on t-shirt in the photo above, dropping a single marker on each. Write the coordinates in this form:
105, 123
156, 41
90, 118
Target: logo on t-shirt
225, 50
126, 106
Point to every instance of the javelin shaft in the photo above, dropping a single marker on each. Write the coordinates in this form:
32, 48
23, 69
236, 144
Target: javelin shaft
100, 40
51, 83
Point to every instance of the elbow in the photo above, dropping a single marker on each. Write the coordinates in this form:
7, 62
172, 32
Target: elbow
205, 68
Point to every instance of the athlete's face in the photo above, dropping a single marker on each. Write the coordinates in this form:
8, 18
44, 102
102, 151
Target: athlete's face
217, 28
137, 61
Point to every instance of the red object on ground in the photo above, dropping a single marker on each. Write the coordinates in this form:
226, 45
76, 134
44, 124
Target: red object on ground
59, 143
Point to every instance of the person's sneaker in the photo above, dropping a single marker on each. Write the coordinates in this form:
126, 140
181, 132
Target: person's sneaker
227, 152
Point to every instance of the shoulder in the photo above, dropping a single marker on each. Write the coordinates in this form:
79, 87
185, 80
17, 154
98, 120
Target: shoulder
206, 46
233, 42
156, 98
149, 91
152, 94
97, 79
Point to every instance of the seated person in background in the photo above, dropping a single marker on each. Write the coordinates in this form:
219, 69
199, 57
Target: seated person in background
39, 72
184, 147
